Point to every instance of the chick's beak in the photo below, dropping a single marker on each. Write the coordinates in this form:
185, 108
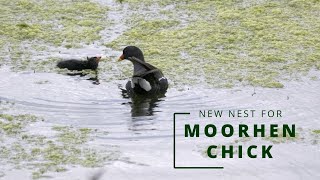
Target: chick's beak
121, 58
99, 58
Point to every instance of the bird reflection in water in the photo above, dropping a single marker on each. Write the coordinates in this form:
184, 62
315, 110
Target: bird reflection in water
94, 78
142, 105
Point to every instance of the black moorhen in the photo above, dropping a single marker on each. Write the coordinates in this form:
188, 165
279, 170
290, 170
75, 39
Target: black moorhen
73, 64
147, 80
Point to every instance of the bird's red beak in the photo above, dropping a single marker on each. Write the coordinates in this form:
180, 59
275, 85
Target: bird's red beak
121, 58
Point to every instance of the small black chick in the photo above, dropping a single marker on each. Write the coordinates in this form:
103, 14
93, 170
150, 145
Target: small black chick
73, 64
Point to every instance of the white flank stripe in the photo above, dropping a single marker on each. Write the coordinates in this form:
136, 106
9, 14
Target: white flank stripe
145, 84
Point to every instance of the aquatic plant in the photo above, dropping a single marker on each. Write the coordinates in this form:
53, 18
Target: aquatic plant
215, 43
227, 42
42, 154
29, 28
317, 131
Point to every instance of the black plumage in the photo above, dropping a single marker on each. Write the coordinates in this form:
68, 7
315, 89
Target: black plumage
147, 80
73, 64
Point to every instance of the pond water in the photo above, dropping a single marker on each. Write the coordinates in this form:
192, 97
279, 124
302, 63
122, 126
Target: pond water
144, 131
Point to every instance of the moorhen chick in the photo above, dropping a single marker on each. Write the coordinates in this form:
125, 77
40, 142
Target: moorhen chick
73, 64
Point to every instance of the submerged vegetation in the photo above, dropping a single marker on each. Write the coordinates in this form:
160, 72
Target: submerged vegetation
227, 42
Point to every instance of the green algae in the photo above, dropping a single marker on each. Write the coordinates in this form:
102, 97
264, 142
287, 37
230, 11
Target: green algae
228, 43
317, 131
14, 124
75, 136
220, 44
7, 117
38, 20
316, 136
42, 154
27, 28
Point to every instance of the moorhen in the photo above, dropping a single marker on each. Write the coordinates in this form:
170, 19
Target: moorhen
73, 64
147, 80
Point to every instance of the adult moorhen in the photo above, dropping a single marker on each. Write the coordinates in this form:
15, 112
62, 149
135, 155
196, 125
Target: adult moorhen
147, 80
